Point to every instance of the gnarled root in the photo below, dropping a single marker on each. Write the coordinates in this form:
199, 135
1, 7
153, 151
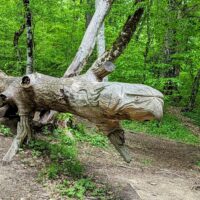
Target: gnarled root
23, 130
116, 136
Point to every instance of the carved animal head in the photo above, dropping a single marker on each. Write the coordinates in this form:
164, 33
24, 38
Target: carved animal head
147, 103
132, 101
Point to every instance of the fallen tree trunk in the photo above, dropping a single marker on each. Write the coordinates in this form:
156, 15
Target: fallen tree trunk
103, 103
87, 46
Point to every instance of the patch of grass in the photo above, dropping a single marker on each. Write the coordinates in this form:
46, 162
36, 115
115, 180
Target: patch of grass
78, 189
95, 139
146, 162
170, 127
198, 163
194, 115
5, 131
81, 133
61, 151
81, 188
60, 155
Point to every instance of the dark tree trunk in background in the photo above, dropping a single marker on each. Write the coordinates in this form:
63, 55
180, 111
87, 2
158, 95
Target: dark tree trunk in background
88, 13
148, 42
17, 36
193, 96
170, 48
28, 16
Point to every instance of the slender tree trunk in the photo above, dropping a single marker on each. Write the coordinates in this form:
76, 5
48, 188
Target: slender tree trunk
195, 88
101, 43
89, 39
17, 36
88, 13
28, 16
148, 42
170, 48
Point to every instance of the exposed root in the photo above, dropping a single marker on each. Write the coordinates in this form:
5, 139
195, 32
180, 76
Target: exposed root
23, 130
118, 140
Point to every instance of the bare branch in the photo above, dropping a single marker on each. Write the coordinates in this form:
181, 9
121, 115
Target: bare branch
88, 42
17, 35
122, 41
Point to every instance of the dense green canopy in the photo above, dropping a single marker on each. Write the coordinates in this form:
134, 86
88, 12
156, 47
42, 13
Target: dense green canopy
164, 52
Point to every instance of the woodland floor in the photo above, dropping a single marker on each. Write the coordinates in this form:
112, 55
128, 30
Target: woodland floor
161, 170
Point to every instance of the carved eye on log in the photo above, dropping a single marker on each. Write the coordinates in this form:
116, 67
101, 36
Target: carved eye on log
25, 82
2, 99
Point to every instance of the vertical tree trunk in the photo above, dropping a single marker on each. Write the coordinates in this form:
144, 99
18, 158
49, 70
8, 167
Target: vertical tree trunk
88, 13
23, 130
193, 96
170, 48
28, 16
101, 43
148, 42
17, 35
88, 42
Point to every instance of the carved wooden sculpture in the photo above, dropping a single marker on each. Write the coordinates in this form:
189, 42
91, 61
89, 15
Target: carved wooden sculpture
104, 103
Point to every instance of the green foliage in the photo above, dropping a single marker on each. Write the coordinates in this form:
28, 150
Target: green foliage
62, 153
198, 163
79, 189
5, 131
170, 127
64, 116
82, 187
95, 139
195, 116
83, 134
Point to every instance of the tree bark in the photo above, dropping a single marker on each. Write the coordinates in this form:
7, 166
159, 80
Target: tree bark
99, 102
23, 130
28, 16
101, 43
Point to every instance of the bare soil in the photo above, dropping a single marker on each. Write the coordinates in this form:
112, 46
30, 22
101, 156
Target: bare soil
161, 170
17, 180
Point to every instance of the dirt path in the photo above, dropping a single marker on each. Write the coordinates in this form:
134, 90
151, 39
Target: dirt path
161, 170
17, 181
